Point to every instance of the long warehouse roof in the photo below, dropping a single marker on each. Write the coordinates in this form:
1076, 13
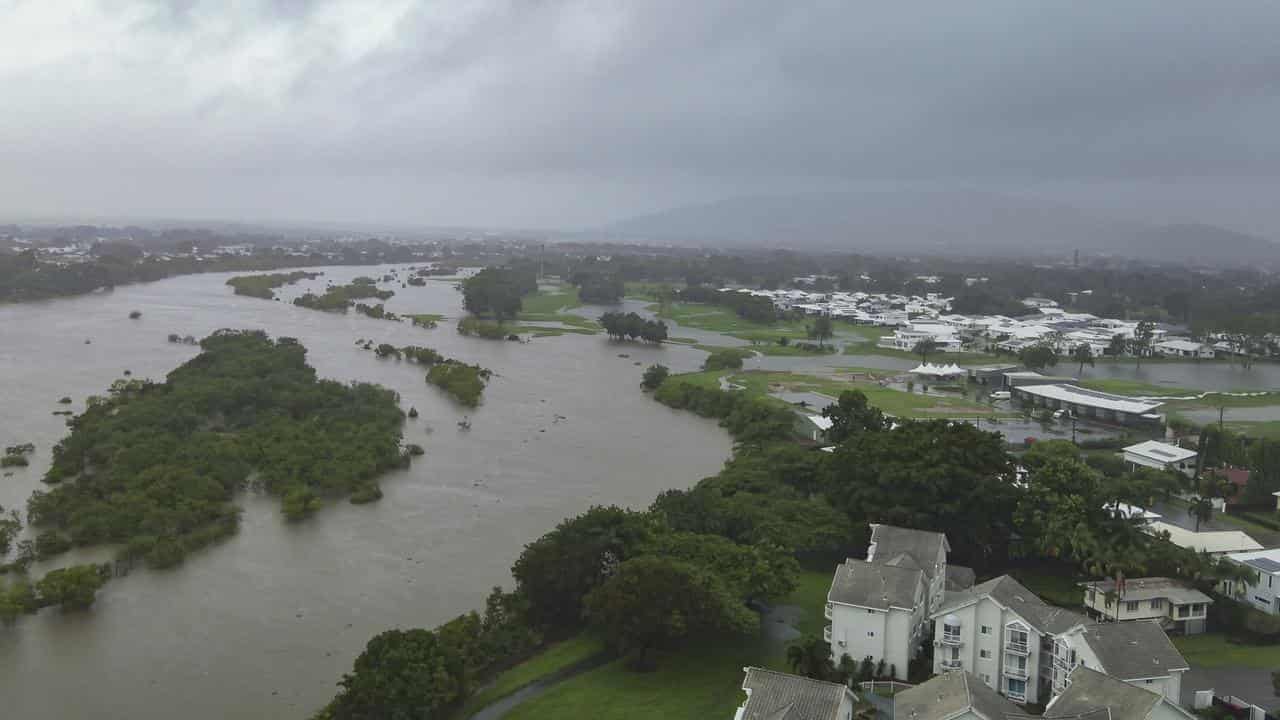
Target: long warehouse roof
1091, 398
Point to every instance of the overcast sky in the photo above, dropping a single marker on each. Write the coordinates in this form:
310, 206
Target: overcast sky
564, 114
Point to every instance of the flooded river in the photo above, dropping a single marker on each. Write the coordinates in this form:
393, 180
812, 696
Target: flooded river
263, 625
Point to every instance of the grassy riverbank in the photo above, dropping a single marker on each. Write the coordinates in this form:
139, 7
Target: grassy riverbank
556, 657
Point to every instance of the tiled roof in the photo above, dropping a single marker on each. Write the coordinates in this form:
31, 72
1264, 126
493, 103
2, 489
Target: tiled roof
780, 696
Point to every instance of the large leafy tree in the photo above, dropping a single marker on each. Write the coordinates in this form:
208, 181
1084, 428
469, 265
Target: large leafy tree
763, 571
72, 588
558, 569
401, 675
850, 414
1082, 355
1038, 356
924, 348
938, 475
653, 603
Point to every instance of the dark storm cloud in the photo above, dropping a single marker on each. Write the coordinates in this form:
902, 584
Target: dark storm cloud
533, 111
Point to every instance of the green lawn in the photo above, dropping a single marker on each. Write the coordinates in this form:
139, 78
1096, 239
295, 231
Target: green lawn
553, 659
898, 403
699, 683
550, 302
703, 681
791, 350
1056, 584
810, 596
723, 320
426, 318
1121, 386
1267, 429
651, 291
1213, 650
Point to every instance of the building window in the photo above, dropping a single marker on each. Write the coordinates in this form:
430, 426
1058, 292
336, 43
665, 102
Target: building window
871, 633
984, 653
1131, 606
986, 678
1157, 603
986, 629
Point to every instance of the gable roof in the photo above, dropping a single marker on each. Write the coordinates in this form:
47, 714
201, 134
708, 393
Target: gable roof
1091, 694
872, 585
779, 696
1011, 594
949, 694
1133, 650
889, 543
1160, 452
1176, 591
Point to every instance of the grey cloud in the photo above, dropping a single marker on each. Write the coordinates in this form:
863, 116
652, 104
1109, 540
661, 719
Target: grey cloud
541, 111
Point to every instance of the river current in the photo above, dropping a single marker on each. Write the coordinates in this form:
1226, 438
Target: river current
264, 624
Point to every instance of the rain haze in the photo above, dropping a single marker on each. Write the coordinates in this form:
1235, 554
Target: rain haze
577, 114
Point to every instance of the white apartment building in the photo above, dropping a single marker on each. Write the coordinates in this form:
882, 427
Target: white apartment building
879, 607
1260, 594
1172, 604
1002, 633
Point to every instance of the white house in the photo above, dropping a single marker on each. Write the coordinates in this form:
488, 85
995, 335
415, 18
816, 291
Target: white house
1002, 633
1139, 653
952, 696
1214, 542
1260, 594
1185, 349
879, 607
1161, 456
1173, 604
905, 338
772, 695
1092, 694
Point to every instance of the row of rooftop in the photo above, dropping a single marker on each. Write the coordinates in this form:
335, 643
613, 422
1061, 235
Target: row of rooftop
997, 646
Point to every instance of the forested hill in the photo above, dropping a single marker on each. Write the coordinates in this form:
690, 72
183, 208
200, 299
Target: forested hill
942, 223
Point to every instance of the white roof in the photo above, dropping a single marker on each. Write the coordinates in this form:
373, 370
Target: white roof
823, 423
1179, 345
1091, 398
1267, 561
1161, 452
938, 370
1217, 541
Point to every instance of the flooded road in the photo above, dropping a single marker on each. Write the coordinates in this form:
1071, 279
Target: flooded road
264, 624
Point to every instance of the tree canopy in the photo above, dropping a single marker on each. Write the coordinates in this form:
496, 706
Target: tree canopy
155, 465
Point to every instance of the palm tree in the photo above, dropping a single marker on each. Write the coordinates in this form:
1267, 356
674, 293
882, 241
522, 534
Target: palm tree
1082, 354
925, 348
1201, 508
810, 656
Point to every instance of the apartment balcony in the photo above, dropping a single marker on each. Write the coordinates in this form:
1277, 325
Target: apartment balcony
1017, 648
1014, 671
1018, 697
826, 634
826, 611
951, 664
952, 640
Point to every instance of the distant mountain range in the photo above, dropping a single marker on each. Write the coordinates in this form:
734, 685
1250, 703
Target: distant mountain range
941, 222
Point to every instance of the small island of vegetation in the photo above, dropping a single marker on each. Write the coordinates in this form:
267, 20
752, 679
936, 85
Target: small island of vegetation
154, 466
340, 297
464, 382
263, 286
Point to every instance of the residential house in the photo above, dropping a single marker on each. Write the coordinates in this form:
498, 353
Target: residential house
1139, 653
1161, 456
1093, 695
812, 427
779, 696
879, 607
1214, 542
1003, 634
952, 696
1173, 604
1260, 594
1238, 479
1185, 349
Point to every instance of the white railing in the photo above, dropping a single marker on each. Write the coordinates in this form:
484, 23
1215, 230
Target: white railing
1014, 671
951, 664
1016, 647
826, 634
